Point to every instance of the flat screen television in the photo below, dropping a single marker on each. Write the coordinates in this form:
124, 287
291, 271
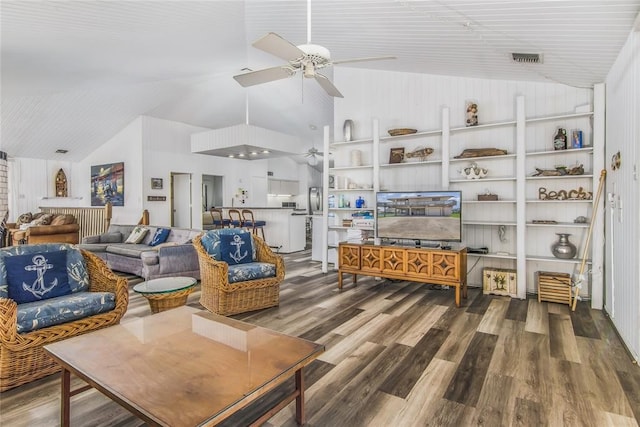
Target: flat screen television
429, 216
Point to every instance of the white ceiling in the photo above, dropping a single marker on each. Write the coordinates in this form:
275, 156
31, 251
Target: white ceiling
74, 73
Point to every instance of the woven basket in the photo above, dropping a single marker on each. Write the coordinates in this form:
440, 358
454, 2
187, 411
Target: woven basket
22, 356
402, 131
167, 300
224, 298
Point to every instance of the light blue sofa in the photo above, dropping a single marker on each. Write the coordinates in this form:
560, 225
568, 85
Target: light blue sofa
175, 257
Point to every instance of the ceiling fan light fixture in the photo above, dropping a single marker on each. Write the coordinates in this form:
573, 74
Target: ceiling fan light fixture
312, 160
309, 69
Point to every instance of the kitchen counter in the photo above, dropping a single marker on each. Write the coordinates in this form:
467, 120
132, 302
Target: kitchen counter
285, 227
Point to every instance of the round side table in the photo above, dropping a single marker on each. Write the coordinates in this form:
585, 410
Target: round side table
166, 292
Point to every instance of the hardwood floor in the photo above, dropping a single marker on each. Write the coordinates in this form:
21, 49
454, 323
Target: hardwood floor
401, 354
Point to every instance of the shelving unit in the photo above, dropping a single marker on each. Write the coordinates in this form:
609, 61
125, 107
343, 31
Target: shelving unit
527, 141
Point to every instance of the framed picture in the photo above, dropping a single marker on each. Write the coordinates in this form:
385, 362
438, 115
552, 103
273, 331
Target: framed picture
156, 183
396, 155
107, 184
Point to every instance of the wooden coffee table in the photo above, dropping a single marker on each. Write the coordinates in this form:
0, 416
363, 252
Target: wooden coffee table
166, 292
185, 367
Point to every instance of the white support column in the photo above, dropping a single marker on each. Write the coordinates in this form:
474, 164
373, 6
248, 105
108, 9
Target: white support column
325, 200
597, 238
445, 148
521, 200
376, 171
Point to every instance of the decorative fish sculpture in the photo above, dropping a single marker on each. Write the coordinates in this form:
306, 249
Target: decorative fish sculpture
421, 153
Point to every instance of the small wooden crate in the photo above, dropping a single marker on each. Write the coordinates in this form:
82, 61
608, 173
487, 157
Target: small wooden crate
554, 287
499, 281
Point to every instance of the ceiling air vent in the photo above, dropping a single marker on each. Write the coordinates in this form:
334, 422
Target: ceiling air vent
529, 58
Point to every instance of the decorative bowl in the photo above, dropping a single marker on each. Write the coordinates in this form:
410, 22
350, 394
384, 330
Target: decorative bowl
402, 131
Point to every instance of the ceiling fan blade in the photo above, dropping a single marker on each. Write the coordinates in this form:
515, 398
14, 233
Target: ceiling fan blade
276, 45
328, 86
263, 76
372, 58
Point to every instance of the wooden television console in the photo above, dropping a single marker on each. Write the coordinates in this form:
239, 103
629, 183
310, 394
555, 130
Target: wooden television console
415, 264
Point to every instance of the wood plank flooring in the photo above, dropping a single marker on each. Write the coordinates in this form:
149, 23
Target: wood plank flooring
401, 354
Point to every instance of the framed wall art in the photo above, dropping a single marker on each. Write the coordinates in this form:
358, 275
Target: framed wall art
156, 183
396, 155
107, 184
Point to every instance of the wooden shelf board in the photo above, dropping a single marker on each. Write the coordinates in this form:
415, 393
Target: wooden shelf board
483, 126
559, 117
503, 178
356, 141
533, 178
493, 255
552, 152
471, 159
565, 201
426, 162
554, 259
559, 224
352, 209
491, 223
341, 190
488, 201
340, 168
411, 135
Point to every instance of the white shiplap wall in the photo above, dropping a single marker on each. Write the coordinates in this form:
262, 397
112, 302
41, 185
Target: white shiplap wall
410, 100
622, 291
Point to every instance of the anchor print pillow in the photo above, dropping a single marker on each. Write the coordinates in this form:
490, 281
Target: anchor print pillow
236, 248
36, 277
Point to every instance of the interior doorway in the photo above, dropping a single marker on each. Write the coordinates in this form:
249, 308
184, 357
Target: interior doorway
181, 210
211, 191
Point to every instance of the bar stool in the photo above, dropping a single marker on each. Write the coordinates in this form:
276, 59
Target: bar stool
249, 222
218, 220
235, 218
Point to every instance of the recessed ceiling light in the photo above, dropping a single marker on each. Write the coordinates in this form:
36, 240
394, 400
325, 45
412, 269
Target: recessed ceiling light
62, 151
241, 155
254, 153
231, 156
313, 127
265, 151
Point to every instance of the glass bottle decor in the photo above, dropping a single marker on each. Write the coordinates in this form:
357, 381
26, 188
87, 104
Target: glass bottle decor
360, 203
560, 140
563, 248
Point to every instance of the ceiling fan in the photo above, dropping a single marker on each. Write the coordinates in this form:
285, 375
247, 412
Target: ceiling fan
313, 156
307, 58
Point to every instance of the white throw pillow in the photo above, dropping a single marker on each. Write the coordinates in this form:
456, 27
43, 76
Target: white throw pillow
137, 235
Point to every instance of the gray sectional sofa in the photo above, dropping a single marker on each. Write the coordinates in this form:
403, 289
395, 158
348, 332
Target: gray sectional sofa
175, 257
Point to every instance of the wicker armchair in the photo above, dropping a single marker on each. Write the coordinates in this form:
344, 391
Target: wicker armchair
22, 357
222, 297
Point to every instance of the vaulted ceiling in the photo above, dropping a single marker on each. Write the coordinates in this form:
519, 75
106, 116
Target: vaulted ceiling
74, 73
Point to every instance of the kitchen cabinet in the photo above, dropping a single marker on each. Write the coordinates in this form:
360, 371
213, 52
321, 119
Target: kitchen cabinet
283, 187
